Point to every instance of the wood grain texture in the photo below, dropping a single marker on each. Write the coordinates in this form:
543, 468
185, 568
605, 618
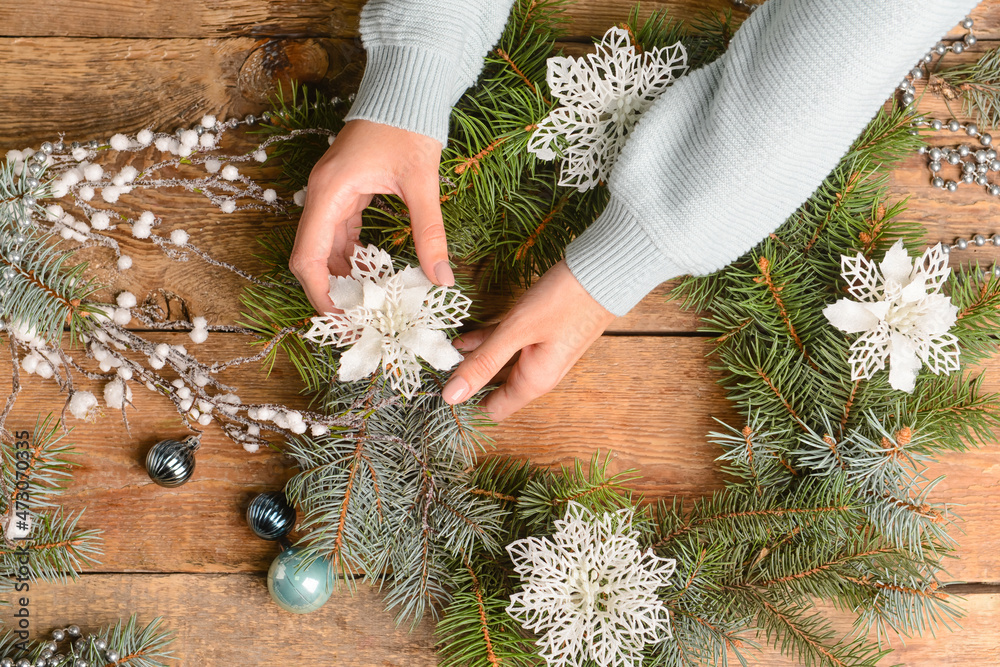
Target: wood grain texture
648, 402
91, 88
229, 620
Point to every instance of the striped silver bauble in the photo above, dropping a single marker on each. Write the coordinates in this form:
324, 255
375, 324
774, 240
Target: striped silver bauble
171, 462
270, 516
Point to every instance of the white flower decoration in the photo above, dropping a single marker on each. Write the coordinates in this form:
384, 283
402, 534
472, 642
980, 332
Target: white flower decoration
390, 318
602, 97
590, 592
902, 312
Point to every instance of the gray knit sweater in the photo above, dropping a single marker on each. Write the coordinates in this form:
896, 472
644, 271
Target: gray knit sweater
721, 159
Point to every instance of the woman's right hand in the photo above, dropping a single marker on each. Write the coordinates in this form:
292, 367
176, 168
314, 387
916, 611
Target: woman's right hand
368, 159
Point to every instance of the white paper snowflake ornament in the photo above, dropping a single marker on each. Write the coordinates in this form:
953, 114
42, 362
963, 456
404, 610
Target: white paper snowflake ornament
589, 591
901, 313
390, 318
602, 97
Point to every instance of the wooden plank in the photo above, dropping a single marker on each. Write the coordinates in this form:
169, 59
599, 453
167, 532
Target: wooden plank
975, 643
90, 88
181, 18
646, 401
210, 616
231, 620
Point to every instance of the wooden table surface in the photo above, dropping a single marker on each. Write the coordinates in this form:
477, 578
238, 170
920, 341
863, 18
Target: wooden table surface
643, 392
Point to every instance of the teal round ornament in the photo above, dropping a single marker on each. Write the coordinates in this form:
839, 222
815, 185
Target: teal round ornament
297, 588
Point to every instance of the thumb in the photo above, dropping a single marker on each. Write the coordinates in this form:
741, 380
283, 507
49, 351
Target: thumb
423, 199
482, 364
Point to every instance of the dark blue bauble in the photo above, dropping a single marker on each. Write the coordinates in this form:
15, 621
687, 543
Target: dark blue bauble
270, 516
171, 462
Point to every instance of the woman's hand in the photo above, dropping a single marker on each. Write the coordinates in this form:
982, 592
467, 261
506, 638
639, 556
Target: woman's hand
551, 326
367, 159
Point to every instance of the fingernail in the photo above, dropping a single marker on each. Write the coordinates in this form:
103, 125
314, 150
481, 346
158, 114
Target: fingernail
444, 274
455, 391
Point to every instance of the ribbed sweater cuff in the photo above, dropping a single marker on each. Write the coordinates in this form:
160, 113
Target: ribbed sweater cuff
406, 87
616, 261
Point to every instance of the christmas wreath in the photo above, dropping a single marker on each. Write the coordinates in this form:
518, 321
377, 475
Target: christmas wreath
848, 360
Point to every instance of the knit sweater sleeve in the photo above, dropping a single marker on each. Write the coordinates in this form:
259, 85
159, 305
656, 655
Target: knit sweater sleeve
731, 150
422, 55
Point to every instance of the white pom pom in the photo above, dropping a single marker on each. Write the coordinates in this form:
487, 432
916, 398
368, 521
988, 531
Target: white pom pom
212, 166
30, 362
54, 212
178, 237
128, 173
199, 322
100, 220
86, 193
251, 447
111, 193
230, 173
205, 419
79, 154
162, 144
299, 197
199, 336
66, 233
126, 300
260, 155
122, 316
105, 366
184, 151
281, 420
81, 226
119, 142
228, 206
178, 383
116, 393
141, 231
124, 372
124, 263
253, 430
318, 430
208, 121
162, 350
207, 140
93, 172
270, 195
174, 146
14, 155
204, 406
264, 414
184, 392
186, 403
298, 428
58, 188
82, 403
144, 137
179, 349
147, 218
189, 138
330, 138
72, 177
44, 369
200, 380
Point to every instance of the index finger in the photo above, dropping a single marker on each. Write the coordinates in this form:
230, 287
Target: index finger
326, 209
